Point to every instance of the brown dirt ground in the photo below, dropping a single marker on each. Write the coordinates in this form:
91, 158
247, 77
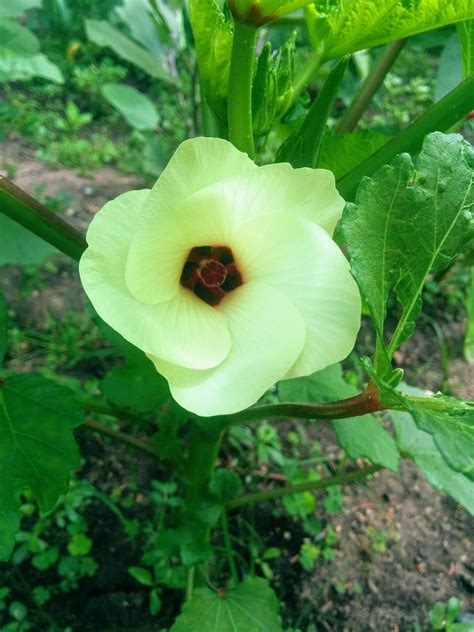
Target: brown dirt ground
429, 554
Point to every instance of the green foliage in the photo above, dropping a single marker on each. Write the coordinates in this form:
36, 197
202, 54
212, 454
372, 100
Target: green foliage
251, 606
346, 27
135, 386
340, 154
303, 147
359, 437
3, 327
37, 447
104, 34
443, 616
137, 109
466, 37
419, 446
450, 69
409, 220
20, 58
213, 41
469, 337
15, 8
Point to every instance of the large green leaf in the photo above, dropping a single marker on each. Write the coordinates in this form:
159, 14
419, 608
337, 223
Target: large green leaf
409, 220
345, 26
136, 386
14, 8
360, 436
104, 34
452, 427
419, 446
249, 607
19, 246
136, 107
37, 447
340, 154
20, 58
137, 15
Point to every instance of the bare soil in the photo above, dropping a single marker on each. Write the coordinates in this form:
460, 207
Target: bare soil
430, 540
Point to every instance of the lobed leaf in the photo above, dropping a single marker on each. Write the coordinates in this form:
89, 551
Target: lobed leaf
409, 220
37, 446
466, 38
420, 447
251, 606
359, 437
347, 26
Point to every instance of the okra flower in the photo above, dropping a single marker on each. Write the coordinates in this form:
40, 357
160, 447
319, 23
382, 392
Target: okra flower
225, 275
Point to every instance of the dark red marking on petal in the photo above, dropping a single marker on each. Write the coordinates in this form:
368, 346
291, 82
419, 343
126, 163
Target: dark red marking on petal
211, 273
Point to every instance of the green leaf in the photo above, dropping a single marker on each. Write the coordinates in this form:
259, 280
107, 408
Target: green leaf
15, 8
340, 154
37, 447
451, 422
302, 148
104, 34
419, 446
409, 220
79, 545
138, 16
249, 607
466, 38
359, 437
225, 485
213, 40
441, 117
20, 58
136, 386
347, 26
450, 68
469, 336
137, 109
142, 575
3, 327
19, 246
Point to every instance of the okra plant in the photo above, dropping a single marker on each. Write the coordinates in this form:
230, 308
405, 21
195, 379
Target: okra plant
248, 264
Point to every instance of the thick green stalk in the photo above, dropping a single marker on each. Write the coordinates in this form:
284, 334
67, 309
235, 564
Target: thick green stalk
25, 210
270, 494
366, 402
369, 87
453, 107
240, 87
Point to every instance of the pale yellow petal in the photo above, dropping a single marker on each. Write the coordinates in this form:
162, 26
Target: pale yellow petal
184, 330
267, 335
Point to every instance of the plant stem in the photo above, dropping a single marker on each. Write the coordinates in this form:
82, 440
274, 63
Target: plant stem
369, 87
453, 107
103, 409
239, 110
126, 439
366, 402
190, 583
228, 548
25, 210
345, 478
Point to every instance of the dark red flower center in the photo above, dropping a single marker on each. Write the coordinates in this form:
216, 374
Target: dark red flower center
210, 272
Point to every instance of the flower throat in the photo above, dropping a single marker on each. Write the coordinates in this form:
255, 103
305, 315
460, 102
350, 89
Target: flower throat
210, 272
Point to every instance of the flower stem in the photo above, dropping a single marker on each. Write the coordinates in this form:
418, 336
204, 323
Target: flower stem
25, 210
239, 110
369, 87
366, 402
345, 478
